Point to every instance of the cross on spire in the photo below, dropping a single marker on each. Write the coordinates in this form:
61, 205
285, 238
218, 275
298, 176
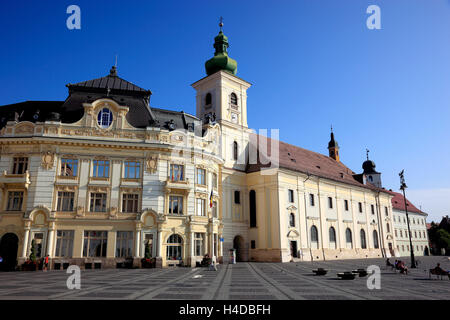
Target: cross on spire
367, 153
221, 23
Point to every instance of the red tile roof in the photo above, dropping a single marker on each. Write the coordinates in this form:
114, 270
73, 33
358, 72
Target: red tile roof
310, 162
398, 203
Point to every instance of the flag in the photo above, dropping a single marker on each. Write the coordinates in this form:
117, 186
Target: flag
210, 200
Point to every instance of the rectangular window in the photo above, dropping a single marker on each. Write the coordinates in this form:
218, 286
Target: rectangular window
372, 208
65, 201
15, 200
291, 195
64, 243
346, 205
69, 167
132, 170
330, 202
201, 173
124, 244
253, 244
175, 205
386, 211
20, 165
214, 180
95, 243
130, 202
199, 244
98, 202
360, 207
311, 199
201, 207
177, 172
101, 169
237, 197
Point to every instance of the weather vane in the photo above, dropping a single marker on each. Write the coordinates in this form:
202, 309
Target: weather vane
221, 23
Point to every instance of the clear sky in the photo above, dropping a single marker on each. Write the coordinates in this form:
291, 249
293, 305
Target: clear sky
311, 63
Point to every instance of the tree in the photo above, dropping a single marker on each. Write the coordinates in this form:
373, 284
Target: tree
33, 251
148, 254
443, 239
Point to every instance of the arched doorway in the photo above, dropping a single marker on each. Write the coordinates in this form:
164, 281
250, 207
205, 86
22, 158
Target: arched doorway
9, 244
238, 245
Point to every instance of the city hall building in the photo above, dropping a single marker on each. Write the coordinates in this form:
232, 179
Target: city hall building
104, 176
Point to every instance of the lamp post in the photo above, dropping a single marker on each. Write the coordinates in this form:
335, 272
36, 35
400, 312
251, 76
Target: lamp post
403, 187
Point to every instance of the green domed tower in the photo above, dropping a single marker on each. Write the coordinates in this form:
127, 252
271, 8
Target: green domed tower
221, 60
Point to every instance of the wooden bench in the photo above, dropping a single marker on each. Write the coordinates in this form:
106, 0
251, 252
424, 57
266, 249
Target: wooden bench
361, 272
320, 272
439, 274
347, 275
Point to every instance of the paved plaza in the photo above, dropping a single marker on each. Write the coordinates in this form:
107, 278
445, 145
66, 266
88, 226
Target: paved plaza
242, 281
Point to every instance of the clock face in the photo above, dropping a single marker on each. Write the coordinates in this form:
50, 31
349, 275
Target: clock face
234, 117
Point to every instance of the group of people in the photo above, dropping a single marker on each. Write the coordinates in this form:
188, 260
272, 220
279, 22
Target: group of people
398, 265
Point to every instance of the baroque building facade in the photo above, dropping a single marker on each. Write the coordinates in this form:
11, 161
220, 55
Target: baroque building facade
103, 177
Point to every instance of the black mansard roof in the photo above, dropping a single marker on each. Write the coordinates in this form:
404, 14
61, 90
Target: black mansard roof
140, 114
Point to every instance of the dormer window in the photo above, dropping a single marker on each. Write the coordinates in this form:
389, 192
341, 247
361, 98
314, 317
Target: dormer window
105, 118
233, 99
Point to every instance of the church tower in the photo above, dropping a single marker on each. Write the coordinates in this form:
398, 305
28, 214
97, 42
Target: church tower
222, 98
333, 147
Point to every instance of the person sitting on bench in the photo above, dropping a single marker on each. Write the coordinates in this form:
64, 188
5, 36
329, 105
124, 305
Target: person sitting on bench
402, 267
439, 271
389, 264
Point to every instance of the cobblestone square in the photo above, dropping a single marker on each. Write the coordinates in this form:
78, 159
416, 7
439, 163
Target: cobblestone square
242, 281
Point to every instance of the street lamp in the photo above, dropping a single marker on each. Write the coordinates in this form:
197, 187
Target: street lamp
403, 187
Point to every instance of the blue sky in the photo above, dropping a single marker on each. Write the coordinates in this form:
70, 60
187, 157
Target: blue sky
311, 63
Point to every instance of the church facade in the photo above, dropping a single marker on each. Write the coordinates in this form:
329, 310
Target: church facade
103, 178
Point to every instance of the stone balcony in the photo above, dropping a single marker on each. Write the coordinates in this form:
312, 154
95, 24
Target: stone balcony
179, 185
15, 180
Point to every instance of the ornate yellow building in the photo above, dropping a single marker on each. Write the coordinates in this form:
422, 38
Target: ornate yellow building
103, 178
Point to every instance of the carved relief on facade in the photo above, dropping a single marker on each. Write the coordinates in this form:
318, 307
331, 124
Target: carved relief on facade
47, 160
24, 128
151, 164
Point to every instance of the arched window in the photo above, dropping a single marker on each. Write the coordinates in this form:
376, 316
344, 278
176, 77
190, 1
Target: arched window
233, 99
362, 233
388, 227
375, 239
252, 197
332, 237
291, 220
348, 238
208, 99
105, 118
174, 247
235, 150
314, 238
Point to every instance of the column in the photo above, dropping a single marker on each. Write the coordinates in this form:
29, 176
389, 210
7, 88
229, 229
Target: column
137, 244
191, 234
51, 236
158, 244
25, 242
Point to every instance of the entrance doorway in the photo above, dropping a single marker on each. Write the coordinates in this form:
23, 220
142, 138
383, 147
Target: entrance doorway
294, 249
9, 244
238, 245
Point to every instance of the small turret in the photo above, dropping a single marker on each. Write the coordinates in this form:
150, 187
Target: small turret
333, 147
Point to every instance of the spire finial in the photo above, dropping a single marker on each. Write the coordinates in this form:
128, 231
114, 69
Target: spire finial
116, 62
367, 153
331, 128
221, 23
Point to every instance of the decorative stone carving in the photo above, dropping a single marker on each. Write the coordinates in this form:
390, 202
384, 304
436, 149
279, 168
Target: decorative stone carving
151, 164
47, 160
80, 211
113, 212
25, 128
